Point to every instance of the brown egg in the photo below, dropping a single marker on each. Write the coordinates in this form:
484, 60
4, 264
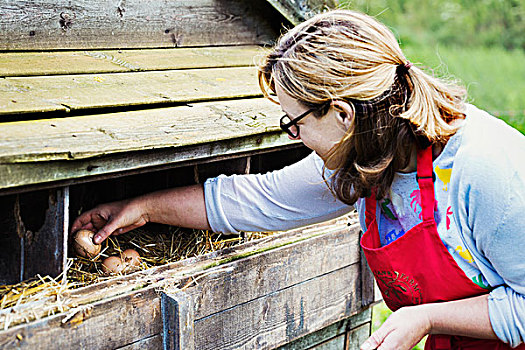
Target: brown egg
131, 257
113, 264
83, 244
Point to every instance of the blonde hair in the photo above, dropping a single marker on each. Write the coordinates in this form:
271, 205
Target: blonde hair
346, 55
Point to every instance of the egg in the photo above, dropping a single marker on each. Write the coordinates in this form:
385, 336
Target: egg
131, 257
113, 264
83, 244
128, 261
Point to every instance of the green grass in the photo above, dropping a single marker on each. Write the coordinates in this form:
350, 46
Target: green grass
494, 77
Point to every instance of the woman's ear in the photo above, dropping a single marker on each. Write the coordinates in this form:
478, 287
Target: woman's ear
344, 113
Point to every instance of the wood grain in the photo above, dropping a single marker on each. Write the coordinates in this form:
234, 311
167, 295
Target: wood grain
283, 315
111, 61
92, 91
62, 24
307, 8
287, 310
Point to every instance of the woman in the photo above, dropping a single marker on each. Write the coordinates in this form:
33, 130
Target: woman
438, 184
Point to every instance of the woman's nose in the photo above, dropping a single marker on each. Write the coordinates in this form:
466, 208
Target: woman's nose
298, 137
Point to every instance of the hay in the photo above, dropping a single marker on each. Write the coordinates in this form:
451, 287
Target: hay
49, 294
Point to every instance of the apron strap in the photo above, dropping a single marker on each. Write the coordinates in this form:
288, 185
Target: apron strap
370, 209
425, 179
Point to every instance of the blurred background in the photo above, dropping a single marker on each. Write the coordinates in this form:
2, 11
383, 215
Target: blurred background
481, 43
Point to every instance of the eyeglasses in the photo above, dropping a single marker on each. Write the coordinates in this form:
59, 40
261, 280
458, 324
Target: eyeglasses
290, 126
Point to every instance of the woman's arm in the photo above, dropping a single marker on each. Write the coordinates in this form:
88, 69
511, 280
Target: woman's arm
408, 325
182, 206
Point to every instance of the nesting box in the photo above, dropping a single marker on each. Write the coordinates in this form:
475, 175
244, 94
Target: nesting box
107, 100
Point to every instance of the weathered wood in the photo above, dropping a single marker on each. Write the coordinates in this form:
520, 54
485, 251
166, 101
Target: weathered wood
153, 342
177, 319
46, 248
283, 315
35, 227
10, 243
367, 281
357, 336
330, 296
110, 61
336, 330
62, 24
178, 270
24, 177
71, 148
257, 277
89, 91
337, 343
97, 135
298, 11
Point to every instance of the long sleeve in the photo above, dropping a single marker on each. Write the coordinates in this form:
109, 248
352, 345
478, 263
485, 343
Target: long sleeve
489, 191
294, 196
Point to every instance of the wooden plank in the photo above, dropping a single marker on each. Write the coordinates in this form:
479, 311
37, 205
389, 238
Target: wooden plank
107, 324
136, 315
45, 249
367, 281
177, 320
53, 150
28, 176
336, 330
10, 242
257, 276
10, 100
299, 13
283, 315
97, 135
110, 61
337, 343
357, 336
62, 24
88, 91
153, 342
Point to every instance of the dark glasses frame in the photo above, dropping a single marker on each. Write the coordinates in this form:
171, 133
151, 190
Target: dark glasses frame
293, 122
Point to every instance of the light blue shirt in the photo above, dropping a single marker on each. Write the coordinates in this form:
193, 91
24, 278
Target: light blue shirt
480, 194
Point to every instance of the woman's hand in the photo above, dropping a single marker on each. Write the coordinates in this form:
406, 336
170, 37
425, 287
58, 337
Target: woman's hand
111, 218
402, 330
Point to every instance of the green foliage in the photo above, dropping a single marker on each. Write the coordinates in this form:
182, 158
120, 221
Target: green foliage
480, 43
494, 78
488, 23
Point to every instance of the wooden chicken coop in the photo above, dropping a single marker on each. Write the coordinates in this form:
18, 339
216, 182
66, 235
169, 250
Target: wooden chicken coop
105, 100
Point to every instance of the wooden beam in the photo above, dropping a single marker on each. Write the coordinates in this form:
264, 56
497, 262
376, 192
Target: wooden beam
110, 61
177, 320
45, 249
296, 14
95, 91
62, 24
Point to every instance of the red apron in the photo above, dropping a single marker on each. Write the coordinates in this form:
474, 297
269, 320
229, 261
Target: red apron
417, 268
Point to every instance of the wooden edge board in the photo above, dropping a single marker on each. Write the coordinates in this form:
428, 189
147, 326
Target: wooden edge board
20, 64
142, 305
55, 173
179, 272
